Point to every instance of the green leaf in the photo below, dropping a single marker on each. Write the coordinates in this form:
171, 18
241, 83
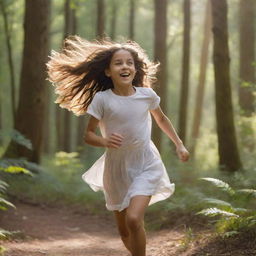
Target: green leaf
18, 138
220, 184
3, 201
248, 191
16, 169
29, 166
230, 234
217, 202
215, 211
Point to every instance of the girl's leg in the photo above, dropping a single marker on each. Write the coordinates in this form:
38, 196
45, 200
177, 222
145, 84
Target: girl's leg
135, 222
122, 228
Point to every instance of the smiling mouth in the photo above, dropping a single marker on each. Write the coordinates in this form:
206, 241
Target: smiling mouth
125, 75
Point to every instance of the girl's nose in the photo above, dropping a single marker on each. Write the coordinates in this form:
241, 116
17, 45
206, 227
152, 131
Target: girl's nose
124, 65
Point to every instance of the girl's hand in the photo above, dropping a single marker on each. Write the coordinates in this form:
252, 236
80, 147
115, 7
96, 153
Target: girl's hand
182, 152
114, 141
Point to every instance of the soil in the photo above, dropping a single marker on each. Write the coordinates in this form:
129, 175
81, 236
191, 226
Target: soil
61, 231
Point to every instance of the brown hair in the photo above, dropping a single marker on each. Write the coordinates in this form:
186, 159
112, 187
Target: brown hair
78, 71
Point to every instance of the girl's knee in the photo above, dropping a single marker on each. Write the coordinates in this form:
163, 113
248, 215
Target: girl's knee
134, 222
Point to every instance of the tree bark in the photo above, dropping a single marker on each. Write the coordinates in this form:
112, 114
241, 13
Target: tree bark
247, 56
229, 159
100, 30
160, 52
69, 29
113, 19
202, 75
80, 132
10, 57
132, 19
184, 91
31, 108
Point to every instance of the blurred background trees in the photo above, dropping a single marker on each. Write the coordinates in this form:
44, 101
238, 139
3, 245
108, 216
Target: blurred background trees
195, 76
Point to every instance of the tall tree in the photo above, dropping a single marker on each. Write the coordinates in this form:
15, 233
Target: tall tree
7, 30
30, 112
160, 52
247, 55
202, 75
184, 90
114, 10
132, 19
100, 18
227, 145
69, 29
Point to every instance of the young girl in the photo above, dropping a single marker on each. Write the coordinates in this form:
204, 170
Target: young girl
112, 83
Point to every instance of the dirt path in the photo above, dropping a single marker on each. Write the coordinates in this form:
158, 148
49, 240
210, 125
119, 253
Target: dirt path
62, 232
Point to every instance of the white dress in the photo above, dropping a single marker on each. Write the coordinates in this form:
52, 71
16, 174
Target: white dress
136, 167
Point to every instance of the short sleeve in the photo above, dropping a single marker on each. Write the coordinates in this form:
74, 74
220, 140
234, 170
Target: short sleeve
96, 107
155, 100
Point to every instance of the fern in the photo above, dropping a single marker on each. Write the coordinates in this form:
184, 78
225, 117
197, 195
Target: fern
215, 211
231, 219
26, 166
251, 192
220, 184
216, 202
17, 137
5, 202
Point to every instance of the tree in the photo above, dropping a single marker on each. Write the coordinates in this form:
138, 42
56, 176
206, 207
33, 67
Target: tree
184, 90
100, 18
160, 52
227, 145
114, 10
131, 19
31, 108
7, 30
202, 75
247, 55
69, 29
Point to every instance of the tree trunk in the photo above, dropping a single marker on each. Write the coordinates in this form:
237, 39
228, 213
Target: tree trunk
113, 19
10, 57
69, 29
229, 159
202, 75
247, 56
160, 52
131, 19
184, 91
100, 19
31, 108
80, 132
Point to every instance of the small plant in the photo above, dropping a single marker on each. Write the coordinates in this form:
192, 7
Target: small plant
231, 219
12, 166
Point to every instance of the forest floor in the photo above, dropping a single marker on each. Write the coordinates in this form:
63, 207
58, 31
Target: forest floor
61, 231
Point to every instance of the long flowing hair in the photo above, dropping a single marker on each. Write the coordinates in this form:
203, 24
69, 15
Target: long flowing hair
78, 71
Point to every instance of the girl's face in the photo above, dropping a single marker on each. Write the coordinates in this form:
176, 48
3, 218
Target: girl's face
121, 68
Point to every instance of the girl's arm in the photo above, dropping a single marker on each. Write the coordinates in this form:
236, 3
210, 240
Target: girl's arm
166, 126
90, 136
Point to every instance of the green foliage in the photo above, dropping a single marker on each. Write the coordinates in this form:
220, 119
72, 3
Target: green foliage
17, 137
231, 219
220, 184
60, 182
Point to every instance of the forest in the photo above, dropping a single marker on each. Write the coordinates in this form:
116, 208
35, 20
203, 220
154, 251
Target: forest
207, 85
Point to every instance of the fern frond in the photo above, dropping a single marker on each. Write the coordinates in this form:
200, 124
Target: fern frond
15, 169
220, 184
215, 211
3, 201
29, 166
18, 137
230, 234
216, 202
248, 191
